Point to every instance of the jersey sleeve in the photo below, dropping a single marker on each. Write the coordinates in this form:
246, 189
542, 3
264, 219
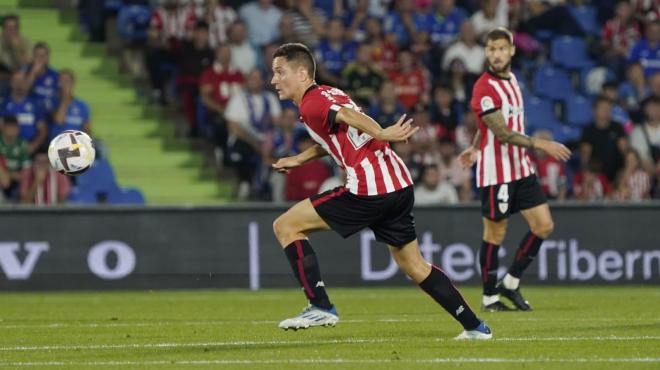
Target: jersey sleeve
485, 99
320, 113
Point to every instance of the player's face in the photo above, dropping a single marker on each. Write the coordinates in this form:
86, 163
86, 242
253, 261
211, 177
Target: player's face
499, 53
285, 79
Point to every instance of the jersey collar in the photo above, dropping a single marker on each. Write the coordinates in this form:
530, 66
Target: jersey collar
496, 75
314, 86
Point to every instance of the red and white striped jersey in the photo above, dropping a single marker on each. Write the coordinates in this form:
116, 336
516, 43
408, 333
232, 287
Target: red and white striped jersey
372, 167
500, 163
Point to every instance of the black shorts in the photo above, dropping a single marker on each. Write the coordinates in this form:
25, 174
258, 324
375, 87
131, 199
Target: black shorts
389, 216
500, 201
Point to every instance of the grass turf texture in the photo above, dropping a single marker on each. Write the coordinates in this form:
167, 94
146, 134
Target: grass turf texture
587, 327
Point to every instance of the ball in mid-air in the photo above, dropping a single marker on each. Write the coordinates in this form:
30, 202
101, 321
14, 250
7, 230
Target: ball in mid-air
71, 152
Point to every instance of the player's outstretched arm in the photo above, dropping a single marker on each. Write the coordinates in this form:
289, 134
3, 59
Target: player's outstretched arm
400, 131
495, 122
283, 165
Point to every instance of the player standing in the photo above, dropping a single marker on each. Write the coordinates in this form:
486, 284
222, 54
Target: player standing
505, 174
378, 194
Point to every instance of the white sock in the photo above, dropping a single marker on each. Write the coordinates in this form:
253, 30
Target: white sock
510, 282
490, 299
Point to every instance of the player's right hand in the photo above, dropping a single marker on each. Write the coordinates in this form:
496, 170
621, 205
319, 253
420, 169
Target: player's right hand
468, 157
400, 131
554, 149
283, 165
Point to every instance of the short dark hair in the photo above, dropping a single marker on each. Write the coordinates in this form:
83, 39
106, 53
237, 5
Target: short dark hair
41, 45
9, 17
10, 119
299, 53
499, 33
601, 99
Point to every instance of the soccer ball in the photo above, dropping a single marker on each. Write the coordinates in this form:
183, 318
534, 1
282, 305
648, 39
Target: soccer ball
71, 152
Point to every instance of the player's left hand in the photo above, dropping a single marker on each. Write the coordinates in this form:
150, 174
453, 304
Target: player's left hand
283, 165
468, 157
400, 131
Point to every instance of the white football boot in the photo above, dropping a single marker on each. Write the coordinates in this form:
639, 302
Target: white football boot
310, 317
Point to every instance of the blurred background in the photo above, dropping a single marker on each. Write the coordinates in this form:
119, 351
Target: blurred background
177, 95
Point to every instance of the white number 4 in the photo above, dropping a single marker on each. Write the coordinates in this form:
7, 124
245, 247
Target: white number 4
503, 193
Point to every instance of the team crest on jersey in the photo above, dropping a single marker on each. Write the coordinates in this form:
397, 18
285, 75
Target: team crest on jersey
487, 103
503, 207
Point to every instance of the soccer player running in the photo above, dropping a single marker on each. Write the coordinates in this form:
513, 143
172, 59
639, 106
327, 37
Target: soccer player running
505, 174
378, 194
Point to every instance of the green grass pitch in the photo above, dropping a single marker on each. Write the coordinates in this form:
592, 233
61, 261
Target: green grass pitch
572, 328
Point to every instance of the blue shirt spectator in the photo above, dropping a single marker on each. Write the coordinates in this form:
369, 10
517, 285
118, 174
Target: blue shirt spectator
40, 77
333, 53
647, 50
27, 110
446, 23
401, 21
70, 113
262, 19
133, 23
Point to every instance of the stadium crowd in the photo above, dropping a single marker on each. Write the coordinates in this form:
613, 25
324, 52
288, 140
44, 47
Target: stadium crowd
590, 76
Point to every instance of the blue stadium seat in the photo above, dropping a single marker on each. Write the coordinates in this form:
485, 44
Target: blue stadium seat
578, 111
133, 23
570, 52
551, 82
564, 133
100, 178
81, 197
586, 17
540, 113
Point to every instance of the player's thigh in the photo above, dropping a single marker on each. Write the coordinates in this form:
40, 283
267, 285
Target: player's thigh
539, 220
302, 218
410, 260
494, 230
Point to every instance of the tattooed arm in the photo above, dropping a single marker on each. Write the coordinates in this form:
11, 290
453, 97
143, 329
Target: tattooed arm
495, 122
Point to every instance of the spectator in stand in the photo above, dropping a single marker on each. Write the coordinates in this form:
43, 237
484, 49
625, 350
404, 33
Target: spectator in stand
218, 84
647, 50
618, 37
645, 138
71, 112
15, 49
333, 53
467, 50
447, 22
401, 22
28, 110
452, 171
445, 112
591, 184
262, 19
550, 16
411, 81
603, 140
5, 180
251, 116
387, 110
219, 18
384, 51
633, 183
308, 21
466, 131
433, 190
244, 57
634, 89
133, 22
40, 79
362, 79
610, 90
193, 58
170, 25
646, 10
286, 32
491, 14
41, 184
550, 171
305, 181
355, 20
282, 142
461, 82
14, 151
425, 140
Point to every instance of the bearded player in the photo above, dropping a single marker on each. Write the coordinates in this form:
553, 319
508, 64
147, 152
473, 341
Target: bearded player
378, 194
505, 174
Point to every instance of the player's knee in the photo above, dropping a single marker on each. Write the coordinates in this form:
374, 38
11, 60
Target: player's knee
280, 228
544, 229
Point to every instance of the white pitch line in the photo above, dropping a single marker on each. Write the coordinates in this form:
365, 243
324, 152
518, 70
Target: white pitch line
339, 361
296, 342
58, 325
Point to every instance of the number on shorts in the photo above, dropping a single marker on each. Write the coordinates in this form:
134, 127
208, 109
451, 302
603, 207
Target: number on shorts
503, 193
